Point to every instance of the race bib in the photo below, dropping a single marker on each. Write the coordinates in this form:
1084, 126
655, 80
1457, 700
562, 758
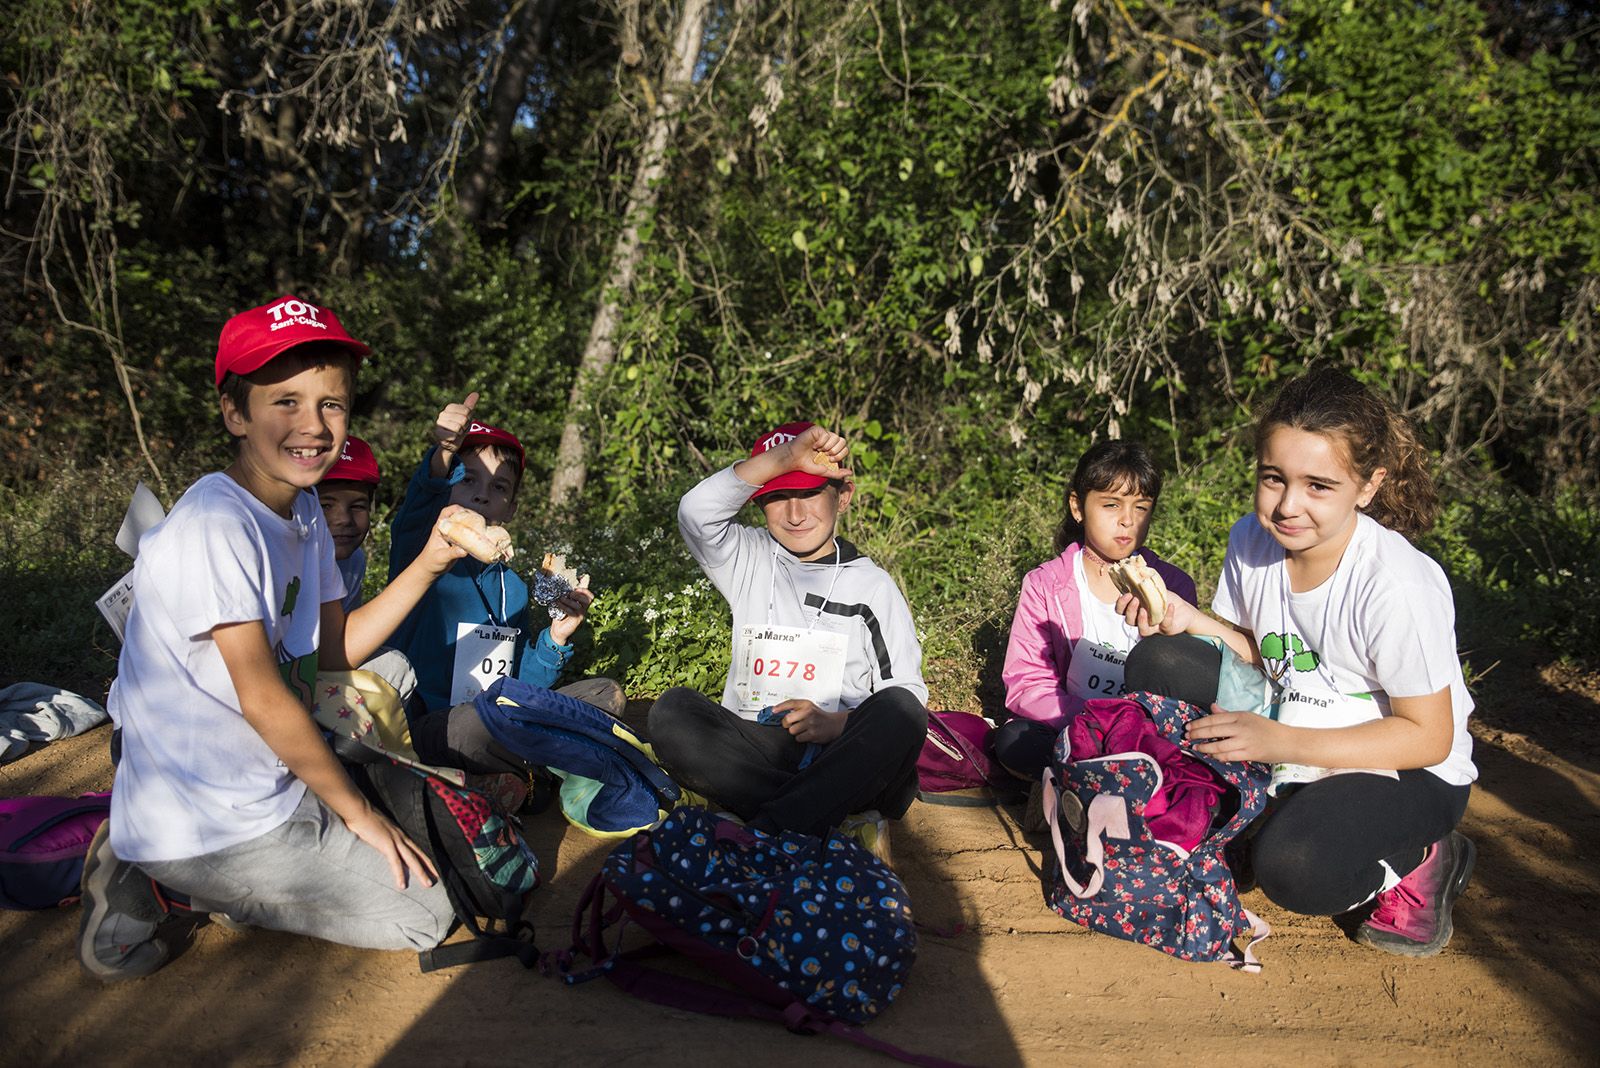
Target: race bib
116, 604
776, 664
1096, 670
484, 653
1321, 709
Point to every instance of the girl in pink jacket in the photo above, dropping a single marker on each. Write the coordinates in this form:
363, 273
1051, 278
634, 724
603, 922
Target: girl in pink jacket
1068, 642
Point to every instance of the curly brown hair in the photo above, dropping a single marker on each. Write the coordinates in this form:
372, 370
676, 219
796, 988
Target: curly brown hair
1372, 434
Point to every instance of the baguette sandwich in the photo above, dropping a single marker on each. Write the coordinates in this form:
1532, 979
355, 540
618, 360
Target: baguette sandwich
469, 530
1135, 576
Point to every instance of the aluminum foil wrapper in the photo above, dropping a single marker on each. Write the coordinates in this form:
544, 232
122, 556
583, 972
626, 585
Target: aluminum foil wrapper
548, 588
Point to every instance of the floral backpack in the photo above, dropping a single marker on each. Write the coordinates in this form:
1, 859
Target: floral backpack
1113, 779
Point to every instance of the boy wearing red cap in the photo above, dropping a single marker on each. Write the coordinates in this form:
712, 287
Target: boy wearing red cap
823, 713
346, 493
225, 790
474, 625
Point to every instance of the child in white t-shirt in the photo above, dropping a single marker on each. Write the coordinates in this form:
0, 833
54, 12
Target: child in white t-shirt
226, 792
1368, 739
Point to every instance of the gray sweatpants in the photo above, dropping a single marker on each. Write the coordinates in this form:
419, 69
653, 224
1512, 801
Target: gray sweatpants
312, 876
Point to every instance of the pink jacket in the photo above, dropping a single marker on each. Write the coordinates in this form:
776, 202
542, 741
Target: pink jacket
1048, 623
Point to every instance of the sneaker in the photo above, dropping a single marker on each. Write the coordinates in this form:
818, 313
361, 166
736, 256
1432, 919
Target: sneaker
871, 829
116, 934
1413, 917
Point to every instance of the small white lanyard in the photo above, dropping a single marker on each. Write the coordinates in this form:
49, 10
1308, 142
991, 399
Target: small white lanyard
477, 582
772, 588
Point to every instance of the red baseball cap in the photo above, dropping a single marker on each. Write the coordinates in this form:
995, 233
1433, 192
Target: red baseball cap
252, 338
355, 464
789, 479
484, 434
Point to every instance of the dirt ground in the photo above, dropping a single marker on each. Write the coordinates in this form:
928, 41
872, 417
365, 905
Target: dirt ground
1520, 983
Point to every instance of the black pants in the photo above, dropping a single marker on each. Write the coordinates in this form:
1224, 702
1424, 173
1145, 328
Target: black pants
753, 769
1025, 747
1323, 849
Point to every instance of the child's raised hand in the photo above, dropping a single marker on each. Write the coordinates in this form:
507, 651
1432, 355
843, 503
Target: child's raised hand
1175, 621
450, 429
576, 605
818, 451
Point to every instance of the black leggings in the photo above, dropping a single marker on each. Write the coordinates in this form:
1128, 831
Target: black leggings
1324, 848
1025, 747
754, 770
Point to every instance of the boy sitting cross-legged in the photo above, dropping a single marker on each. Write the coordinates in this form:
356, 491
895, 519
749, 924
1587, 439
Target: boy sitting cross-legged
474, 625
823, 712
226, 792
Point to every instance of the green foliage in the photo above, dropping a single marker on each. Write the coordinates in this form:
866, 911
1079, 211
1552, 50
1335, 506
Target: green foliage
973, 236
1523, 570
58, 554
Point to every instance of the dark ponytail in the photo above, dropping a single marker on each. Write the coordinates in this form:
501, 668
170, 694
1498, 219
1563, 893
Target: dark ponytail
1110, 465
1372, 433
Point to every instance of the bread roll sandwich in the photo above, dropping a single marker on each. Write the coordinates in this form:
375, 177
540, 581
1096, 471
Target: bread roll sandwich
469, 530
1135, 576
822, 459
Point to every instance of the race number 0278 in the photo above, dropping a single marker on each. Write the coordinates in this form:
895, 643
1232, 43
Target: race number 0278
786, 669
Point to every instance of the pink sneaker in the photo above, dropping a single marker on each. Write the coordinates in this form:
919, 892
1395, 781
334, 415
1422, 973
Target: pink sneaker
1413, 917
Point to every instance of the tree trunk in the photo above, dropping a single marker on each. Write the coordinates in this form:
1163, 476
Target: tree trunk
505, 99
571, 469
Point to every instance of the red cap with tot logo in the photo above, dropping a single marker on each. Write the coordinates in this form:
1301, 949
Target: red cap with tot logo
479, 433
789, 480
252, 338
355, 464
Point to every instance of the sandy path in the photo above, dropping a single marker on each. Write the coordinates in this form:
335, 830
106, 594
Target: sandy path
1521, 981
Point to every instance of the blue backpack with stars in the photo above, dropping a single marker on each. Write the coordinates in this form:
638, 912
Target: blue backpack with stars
815, 933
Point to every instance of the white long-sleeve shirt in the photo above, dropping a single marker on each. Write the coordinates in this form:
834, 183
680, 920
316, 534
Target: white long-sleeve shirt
765, 584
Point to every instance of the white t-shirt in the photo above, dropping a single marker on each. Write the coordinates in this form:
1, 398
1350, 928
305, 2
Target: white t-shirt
1100, 654
194, 776
1383, 624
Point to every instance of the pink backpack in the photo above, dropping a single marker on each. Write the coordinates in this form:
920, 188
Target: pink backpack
43, 842
957, 756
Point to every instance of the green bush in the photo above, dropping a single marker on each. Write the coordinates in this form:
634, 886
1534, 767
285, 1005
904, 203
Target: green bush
1523, 570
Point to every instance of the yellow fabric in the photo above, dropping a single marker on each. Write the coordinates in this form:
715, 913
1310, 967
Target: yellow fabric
363, 706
